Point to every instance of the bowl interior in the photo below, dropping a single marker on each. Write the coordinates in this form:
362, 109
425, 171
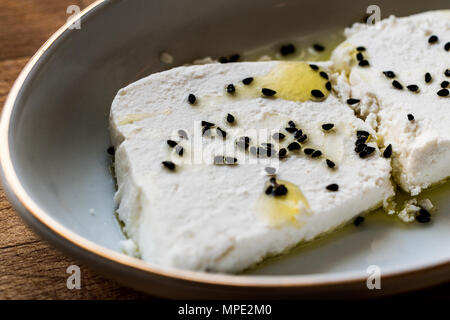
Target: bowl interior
59, 126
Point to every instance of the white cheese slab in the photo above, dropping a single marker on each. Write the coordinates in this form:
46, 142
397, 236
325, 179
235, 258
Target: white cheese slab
203, 216
422, 146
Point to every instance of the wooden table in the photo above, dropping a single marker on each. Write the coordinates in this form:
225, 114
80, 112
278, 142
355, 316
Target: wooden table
30, 268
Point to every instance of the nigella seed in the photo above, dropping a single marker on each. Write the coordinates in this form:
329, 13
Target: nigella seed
221, 133
428, 77
323, 75
317, 93
278, 136
230, 160
352, 101
359, 56
316, 154
314, 67
234, 57
364, 63
318, 47
231, 88
433, 39
360, 147
223, 60
360, 48
267, 145
247, 81
302, 138
206, 131
444, 84
443, 93
182, 134
410, 117
447, 46
169, 165
362, 133
389, 74
308, 151
207, 124
293, 146
242, 144
291, 129
287, 49
358, 221
245, 139
333, 187
280, 190
270, 170
424, 212
298, 134
171, 143
269, 190
192, 98
328, 85
366, 152
282, 153
179, 150
330, 164
413, 87
388, 151
230, 118
291, 124
110, 150
422, 219
327, 126
447, 72
273, 181
397, 85
268, 92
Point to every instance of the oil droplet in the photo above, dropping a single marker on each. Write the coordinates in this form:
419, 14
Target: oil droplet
283, 210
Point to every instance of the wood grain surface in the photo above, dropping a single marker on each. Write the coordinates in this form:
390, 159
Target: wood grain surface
30, 268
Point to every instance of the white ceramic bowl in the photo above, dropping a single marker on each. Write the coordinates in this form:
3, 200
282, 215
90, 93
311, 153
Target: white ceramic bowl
54, 134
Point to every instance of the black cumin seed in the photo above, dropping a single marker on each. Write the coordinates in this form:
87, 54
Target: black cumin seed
433, 39
291, 124
389, 74
397, 85
231, 88
314, 67
423, 218
362, 133
447, 46
333, 187
328, 85
298, 134
369, 150
447, 72
428, 77
360, 141
287, 49
444, 84
230, 160
270, 170
179, 150
360, 48
206, 131
267, 145
223, 60
413, 87
230, 118
308, 151
280, 190
242, 144
317, 93
359, 56
207, 124
282, 153
410, 117
323, 75
171, 143
169, 165
234, 57
183, 134
247, 81
110, 150
192, 98
318, 47
359, 148
327, 126
316, 154
293, 146
388, 151
424, 212
443, 93
245, 139
352, 101
364, 63
291, 129
273, 181
278, 136
358, 221
330, 164
221, 133
269, 190
268, 92
302, 138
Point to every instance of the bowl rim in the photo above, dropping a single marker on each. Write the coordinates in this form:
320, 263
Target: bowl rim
12, 183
